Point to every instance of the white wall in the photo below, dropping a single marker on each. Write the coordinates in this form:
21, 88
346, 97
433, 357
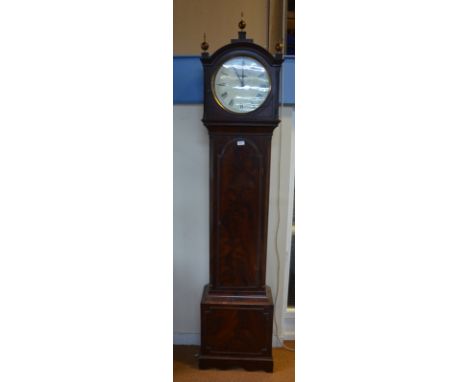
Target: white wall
191, 220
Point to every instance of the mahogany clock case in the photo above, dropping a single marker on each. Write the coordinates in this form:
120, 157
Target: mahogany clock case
237, 306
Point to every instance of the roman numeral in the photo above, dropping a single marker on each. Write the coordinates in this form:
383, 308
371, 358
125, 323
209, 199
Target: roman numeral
231, 102
223, 95
261, 75
259, 95
221, 84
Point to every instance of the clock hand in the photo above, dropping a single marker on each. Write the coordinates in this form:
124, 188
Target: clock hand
242, 84
237, 74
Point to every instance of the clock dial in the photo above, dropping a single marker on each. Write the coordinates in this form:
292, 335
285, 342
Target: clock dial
241, 84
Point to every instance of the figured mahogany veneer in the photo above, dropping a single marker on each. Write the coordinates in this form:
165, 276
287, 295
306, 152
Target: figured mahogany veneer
240, 167
236, 331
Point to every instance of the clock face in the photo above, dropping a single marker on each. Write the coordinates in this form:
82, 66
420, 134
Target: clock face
241, 84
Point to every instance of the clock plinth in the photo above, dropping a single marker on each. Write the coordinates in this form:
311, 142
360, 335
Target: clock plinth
237, 307
236, 331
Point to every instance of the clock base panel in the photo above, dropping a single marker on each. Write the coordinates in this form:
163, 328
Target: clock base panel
236, 331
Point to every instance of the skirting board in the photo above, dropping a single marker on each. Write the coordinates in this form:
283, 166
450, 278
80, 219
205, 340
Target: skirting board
194, 339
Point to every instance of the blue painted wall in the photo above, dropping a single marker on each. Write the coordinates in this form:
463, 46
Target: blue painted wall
188, 80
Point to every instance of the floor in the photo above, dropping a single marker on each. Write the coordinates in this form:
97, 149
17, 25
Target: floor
186, 369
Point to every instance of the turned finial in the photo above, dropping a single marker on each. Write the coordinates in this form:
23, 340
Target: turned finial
279, 47
242, 23
204, 44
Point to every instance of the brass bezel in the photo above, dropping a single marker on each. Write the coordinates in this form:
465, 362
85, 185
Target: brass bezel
213, 89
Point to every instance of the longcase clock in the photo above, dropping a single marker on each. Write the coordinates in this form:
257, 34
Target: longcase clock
241, 100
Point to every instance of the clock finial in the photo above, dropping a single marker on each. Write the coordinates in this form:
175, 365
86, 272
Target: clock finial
205, 46
279, 49
242, 24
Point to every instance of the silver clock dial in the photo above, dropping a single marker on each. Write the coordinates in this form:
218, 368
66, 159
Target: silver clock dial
241, 84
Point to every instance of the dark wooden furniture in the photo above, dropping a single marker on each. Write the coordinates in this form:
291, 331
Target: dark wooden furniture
237, 306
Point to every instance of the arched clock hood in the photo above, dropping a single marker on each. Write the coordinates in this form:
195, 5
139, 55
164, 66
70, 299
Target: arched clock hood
267, 114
